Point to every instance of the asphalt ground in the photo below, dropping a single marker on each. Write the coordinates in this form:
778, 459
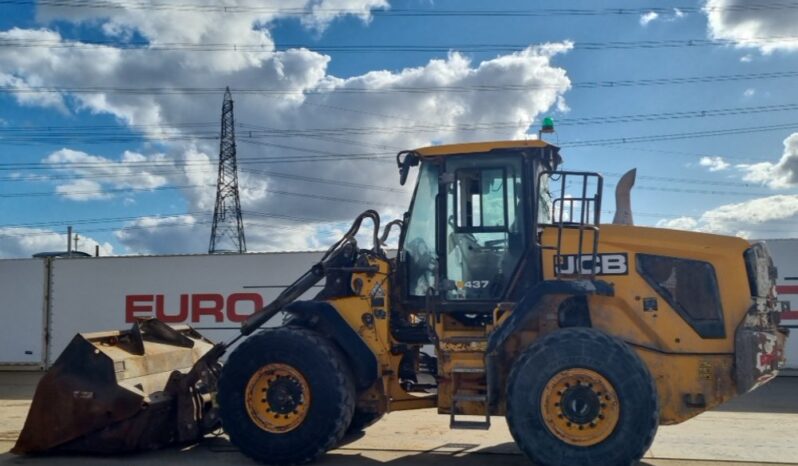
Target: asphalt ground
760, 428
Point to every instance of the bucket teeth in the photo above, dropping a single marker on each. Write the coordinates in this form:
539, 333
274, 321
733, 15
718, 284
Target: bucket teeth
120, 391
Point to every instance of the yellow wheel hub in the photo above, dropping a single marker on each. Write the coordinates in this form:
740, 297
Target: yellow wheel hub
580, 407
277, 398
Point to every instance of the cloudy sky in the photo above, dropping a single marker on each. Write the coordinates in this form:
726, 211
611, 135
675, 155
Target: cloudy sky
109, 110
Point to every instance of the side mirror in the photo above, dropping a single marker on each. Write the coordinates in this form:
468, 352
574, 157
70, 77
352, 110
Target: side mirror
410, 159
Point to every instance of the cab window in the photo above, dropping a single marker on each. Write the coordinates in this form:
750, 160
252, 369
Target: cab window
419, 243
484, 234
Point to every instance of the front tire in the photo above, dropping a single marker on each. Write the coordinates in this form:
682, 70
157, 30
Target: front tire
581, 397
286, 396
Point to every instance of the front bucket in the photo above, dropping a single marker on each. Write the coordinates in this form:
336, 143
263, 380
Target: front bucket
120, 391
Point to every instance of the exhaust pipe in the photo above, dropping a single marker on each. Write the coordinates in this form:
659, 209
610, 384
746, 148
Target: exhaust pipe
623, 199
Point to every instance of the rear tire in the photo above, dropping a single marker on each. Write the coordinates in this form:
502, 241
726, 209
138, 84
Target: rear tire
581, 397
286, 396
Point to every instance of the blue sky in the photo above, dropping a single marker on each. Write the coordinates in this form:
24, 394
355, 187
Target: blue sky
133, 172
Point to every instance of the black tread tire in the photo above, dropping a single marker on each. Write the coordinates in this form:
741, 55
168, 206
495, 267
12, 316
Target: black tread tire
332, 395
591, 349
361, 420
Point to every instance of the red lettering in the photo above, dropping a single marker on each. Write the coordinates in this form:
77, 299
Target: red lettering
215, 309
160, 312
235, 298
135, 304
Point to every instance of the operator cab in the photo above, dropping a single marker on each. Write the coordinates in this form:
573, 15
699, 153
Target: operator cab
470, 234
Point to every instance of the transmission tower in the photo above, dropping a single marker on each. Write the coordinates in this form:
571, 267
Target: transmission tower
227, 233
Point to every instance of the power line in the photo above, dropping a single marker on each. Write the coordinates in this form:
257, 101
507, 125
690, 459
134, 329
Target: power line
343, 183
311, 220
92, 192
147, 46
256, 131
603, 84
252, 133
179, 170
139, 227
96, 220
329, 156
681, 135
336, 199
701, 181
397, 12
325, 181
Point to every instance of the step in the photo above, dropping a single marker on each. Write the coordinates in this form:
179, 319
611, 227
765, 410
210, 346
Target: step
466, 339
469, 397
468, 370
470, 425
465, 344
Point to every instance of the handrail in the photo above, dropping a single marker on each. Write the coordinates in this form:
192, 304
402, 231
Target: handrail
588, 208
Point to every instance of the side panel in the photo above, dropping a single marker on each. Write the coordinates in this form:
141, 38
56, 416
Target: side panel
214, 294
22, 312
693, 371
638, 313
785, 257
688, 385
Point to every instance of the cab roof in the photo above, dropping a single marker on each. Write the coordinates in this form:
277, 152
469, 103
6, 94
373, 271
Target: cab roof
473, 147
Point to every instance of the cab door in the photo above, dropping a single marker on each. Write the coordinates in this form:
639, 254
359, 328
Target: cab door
483, 238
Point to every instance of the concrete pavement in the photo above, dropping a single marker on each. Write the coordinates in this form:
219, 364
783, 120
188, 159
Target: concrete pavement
757, 429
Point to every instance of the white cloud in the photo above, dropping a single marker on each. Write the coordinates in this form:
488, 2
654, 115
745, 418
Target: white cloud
27, 96
747, 58
648, 17
155, 235
230, 21
759, 24
782, 174
680, 223
651, 16
331, 114
191, 234
93, 172
714, 164
324, 11
16, 242
750, 92
82, 190
757, 218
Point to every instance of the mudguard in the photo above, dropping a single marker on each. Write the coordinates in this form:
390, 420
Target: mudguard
324, 318
527, 306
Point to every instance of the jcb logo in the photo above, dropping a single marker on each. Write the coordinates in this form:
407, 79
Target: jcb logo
604, 264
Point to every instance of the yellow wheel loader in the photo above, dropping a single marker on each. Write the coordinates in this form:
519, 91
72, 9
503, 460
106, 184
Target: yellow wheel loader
507, 297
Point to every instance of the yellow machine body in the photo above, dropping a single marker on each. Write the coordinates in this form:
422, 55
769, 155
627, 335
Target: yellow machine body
692, 374
586, 336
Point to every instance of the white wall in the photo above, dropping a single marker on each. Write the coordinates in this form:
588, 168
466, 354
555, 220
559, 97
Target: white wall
98, 294
103, 293
785, 256
22, 312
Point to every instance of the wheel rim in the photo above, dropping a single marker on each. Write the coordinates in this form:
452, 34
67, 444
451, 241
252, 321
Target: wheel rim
580, 407
277, 398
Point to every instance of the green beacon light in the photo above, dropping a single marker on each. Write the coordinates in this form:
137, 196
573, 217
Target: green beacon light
548, 125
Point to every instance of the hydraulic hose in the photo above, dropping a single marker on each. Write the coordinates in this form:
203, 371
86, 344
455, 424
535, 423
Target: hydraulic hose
312, 276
